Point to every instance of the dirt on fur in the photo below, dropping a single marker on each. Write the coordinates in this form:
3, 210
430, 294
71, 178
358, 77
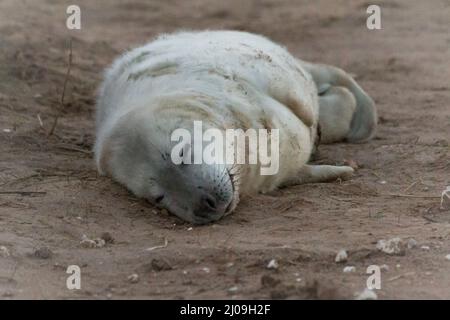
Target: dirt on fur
51, 195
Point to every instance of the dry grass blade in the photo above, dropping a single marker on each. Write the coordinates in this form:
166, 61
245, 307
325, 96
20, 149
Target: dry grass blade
55, 121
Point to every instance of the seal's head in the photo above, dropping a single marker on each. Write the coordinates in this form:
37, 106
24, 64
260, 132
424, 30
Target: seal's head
137, 153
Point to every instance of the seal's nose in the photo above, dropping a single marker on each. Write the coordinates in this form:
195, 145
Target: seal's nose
209, 202
207, 207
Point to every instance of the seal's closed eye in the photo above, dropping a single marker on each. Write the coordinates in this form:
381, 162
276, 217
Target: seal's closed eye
160, 198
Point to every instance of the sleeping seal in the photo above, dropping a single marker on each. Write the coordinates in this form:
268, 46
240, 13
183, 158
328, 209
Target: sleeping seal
226, 80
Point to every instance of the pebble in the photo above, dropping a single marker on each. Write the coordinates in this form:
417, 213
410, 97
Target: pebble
160, 265
43, 253
394, 246
425, 247
447, 257
206, 270
349, 269
412, 243
92, 243
4, 252
384, 267
133, 278
341, 256
273, 264
107, 237
267, 281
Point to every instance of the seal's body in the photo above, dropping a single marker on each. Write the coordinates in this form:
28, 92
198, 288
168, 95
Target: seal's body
227, 80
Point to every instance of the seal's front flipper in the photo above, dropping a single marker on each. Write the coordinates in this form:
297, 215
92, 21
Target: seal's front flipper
323, 173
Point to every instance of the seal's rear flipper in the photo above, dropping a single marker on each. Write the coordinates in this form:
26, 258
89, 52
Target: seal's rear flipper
364, 121
337, 106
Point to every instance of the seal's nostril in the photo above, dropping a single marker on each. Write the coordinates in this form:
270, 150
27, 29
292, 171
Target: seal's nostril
210, 202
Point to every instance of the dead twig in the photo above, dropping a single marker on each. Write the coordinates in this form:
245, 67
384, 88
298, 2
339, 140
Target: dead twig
24, 193
410, 186
55, 121
407, 274
166, 242
72, 148
407, 196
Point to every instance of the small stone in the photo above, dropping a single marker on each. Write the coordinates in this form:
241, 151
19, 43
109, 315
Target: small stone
92, 243
107, 237
267, 281
99, 243
43, 253
87, 243
367, 294
160, 265
412, 243
4, 252
349, 269
341, 256
7, 130
133, 278
447, 257
206, 270
190, 229
384, 267
394, 246
233, 289
273, 264
425, 248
